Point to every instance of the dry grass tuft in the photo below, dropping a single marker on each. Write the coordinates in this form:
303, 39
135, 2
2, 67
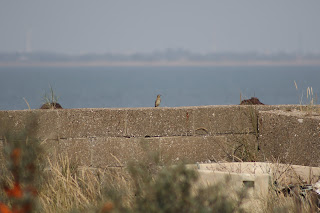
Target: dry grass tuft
310, 101
83, 189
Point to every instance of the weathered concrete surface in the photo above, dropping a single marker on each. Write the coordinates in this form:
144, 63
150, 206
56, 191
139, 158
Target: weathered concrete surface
291, 137
256, 178
257, 185
114, 152
78, 123
37, 123
202, 148
118, 151
224, 120
160, 122
113, 137
131, 122
284, 174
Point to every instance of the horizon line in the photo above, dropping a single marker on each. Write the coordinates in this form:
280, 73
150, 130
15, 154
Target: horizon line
177, 63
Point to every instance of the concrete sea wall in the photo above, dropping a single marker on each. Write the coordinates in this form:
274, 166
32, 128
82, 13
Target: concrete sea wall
112, 137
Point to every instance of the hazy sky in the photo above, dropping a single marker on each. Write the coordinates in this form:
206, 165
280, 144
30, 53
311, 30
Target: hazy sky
100, 26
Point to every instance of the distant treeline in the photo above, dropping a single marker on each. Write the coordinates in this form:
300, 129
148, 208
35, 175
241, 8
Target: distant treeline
167, 55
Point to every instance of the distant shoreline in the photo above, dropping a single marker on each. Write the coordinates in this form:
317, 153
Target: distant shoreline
159, 63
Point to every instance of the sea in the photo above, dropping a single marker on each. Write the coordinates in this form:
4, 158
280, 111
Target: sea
122, 87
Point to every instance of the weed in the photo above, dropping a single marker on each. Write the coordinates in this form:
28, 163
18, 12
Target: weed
50, 101
244, 152
281, 203
27, 103
310, 102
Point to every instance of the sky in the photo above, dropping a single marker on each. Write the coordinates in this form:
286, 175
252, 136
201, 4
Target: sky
126, 26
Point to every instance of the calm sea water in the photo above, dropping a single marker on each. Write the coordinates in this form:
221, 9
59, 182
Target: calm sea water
99, 87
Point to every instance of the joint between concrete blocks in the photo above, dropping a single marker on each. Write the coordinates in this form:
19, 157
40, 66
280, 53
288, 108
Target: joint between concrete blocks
125, 124
92, 139
193, 131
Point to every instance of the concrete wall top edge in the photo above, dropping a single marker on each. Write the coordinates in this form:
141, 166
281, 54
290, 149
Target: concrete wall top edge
259, 107
293, 113
224, 164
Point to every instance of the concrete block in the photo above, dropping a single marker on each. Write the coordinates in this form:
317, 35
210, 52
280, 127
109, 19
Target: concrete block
286, 107
11, 121
294, 174
257, 185
283, 174
255, 177
224, 119
41, 124
78, 150
77, 123
238, 167
291, 137
51, 149
244, 147
194, 149
159, 122
110, 152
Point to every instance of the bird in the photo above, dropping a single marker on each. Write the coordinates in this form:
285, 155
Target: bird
158, 100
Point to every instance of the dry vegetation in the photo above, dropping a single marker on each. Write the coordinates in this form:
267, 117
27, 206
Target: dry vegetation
141, 187
32, 183
307, 103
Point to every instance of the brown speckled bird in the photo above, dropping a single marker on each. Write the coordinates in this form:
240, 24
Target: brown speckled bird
158, 100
